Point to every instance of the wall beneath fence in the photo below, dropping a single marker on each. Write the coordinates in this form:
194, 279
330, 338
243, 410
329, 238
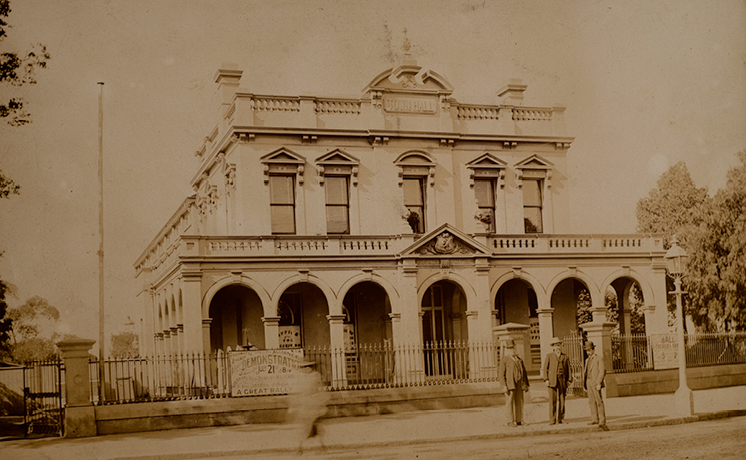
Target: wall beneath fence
667, 381
166, 415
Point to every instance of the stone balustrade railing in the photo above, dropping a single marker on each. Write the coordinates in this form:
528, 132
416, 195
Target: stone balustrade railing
477, 112
571, 244
532, 114
164, 254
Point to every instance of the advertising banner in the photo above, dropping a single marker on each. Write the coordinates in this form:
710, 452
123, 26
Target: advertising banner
264, 372
665, 351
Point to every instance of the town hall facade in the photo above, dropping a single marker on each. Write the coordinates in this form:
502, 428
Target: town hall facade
403, 217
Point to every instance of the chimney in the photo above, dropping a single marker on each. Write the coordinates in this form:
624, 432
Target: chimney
512, 92
227, 77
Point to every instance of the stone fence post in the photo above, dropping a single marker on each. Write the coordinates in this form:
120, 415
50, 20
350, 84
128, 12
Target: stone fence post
599, 332
521, 335
80, 417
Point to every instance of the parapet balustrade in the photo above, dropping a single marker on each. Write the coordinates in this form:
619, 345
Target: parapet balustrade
532, 114
477, 112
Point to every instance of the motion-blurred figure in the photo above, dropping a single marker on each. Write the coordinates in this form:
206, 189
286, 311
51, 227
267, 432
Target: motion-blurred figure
308, 404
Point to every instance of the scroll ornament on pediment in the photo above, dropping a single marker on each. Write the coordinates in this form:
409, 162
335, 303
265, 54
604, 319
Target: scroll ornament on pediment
444, 243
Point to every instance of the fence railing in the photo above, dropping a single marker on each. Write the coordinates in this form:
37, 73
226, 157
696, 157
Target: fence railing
707, 349
366, 366
43, 396
631, 353
636, 353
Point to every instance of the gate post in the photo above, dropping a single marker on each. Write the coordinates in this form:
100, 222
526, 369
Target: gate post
80, 417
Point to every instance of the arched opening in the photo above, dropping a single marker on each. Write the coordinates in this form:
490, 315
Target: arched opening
624, 298
571, 302
303, 309
444, 328
367, 333
516, 302
236, 313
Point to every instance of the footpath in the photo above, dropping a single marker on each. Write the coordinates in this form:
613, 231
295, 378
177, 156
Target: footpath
392, 429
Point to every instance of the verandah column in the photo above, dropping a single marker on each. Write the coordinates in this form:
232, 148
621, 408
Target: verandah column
271, 332
479, 320
409, 342
546, 331
336, 336
192, 300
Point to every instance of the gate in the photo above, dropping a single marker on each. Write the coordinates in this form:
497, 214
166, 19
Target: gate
42, 397
573, 345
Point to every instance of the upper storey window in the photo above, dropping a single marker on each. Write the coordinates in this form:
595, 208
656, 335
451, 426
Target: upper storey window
534, 177
416, 178
282, 203
414, 201
484, 190
337, 205
532, 205
283, 172
487, 176
337, 170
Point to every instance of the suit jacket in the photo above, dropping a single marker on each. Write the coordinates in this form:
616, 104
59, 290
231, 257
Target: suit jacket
557, 368
594, 371
512, 373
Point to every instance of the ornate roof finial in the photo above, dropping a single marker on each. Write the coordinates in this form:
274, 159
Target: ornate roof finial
406, 46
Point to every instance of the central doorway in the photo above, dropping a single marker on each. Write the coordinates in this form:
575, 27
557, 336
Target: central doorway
444, 330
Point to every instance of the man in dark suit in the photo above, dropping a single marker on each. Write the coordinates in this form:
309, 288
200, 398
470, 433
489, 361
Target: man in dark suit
514, 380
556, 372
594, 372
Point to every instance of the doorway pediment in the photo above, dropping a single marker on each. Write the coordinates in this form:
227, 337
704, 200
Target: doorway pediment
446, 240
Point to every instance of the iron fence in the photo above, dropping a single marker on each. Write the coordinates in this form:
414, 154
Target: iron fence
43, 397
631, 353
160, 378
366, 366
637, 353
573, 346
707, 349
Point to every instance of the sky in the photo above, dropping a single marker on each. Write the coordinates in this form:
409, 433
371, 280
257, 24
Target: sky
646, 83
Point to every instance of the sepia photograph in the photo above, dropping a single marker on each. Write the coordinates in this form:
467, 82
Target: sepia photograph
399, 229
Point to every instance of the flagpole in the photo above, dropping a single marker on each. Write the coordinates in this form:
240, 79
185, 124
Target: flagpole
101, 336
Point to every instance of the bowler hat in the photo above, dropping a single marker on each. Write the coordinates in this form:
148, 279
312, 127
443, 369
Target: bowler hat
555, 341
306, 363
508, 343
589, 345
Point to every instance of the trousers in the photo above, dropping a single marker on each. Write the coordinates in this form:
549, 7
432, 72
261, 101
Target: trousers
557, 396
515, 401
598, 413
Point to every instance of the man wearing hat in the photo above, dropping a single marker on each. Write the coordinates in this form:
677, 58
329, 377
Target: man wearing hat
593, 380
557, 375
514, 380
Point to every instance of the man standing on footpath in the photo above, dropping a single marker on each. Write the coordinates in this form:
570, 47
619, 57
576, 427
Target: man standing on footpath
556, 372
593, 380
514, 380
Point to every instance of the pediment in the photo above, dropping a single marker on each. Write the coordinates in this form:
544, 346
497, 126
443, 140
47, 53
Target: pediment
410, 78
415, 157
534, 162
338, 157
283, 155
446, 240
487, 161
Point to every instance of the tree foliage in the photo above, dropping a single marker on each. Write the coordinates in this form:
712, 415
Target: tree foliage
125, 345
673, 206
6, 324
33, 330
716, 275
17, 70
713, 233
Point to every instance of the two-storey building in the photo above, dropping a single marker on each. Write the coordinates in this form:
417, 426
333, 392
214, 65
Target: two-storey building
403, 216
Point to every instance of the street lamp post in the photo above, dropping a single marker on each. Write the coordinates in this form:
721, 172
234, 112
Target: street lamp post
676, 259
